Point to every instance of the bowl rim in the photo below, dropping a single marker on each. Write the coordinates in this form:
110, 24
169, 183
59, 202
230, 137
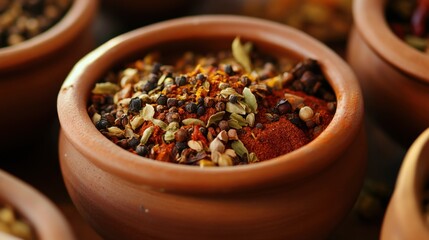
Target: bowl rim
35, 207
407, 195
371, 23
65, 30
80, 131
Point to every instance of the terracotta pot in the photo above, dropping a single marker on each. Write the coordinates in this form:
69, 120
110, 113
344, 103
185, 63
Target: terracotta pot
393, 75
404, 218
301, 195
31, 73
44, 217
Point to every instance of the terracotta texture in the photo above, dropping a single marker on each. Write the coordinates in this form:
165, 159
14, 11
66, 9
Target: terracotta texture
301, 195
31, 73
393, 75
404, 218
46, 220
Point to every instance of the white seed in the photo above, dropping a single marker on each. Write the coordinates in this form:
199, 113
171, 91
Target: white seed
136, 122
306, 113
196, 145
96, 117
230, 152
215, 156
216, 146
225, 160
129, 75
105, 88
115, 131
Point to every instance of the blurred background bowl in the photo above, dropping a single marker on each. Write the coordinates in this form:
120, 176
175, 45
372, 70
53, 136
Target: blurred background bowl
301, 195
407, 216
43, 216
32, 72
393, 75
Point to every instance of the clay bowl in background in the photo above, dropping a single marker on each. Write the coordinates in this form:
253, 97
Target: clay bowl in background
393, 76
31, 73
301, 195
405, 218
44, 217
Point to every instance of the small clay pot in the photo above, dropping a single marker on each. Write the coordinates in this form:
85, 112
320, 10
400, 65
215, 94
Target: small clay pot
405, 218
300, 195
31, 73
393, 75
44, 217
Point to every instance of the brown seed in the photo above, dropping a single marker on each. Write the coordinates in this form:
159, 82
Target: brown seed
181, 135
283, 106
332, 106
172, 117
232, 134
223, 125
220, 106
209, 102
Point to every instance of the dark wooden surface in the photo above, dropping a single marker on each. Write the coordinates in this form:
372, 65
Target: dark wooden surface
36, 162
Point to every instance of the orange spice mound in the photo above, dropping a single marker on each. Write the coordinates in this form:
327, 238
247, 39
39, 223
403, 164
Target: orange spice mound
277, 138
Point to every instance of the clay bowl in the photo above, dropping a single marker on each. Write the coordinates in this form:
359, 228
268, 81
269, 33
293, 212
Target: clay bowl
39, 211
393, 75
404, 218
31, 73
301, 195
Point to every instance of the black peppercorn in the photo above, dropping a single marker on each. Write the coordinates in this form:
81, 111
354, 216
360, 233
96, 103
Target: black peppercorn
229, 70
135, 104
162, 100
133, 142
203, 131
200, 76
201, 110
233, 98
142, 150
181, 80
171, 102
191, 107
181, 146
102, 124
180, 103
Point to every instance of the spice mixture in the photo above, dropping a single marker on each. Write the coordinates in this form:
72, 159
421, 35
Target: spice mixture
24, 19
12, 227
408, 19
228, 108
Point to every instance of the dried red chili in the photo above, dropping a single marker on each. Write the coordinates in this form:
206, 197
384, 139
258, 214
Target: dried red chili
213, 111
